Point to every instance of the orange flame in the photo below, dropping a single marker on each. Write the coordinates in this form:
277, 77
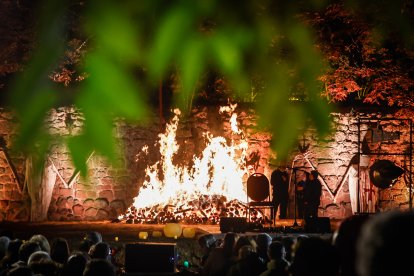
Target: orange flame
220, 170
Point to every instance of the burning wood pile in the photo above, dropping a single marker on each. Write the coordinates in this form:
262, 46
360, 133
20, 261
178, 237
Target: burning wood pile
214, 187
205, 210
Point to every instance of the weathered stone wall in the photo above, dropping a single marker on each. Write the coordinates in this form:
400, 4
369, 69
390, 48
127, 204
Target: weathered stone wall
108, 191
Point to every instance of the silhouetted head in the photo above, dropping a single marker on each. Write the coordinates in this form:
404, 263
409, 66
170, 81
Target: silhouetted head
99, 267
93, 236
384, 245
59, 250
42, 241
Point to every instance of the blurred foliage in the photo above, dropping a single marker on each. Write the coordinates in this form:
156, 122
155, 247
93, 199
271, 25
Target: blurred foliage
115, 53
371, 57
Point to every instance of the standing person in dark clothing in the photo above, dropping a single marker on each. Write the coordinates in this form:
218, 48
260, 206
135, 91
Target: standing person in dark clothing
300, 186
280, 185
311, 196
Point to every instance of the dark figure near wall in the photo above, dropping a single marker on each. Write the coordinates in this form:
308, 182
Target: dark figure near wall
279, 182
311, 196
300, 186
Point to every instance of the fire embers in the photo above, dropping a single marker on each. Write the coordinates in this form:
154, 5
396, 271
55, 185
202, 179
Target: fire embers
205, 210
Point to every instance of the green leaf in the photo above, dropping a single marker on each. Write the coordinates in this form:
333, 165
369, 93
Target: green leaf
192, 64
80, 149
113, 88
226, 54
118, 36
98, 127
310, 67
31, 125
169, 37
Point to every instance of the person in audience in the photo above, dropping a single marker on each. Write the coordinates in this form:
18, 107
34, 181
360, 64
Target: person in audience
4, 244
288, 243
44, 268
207, 243
93, 236
242, 241
99, 267
59, 250
384, 247
25, 250
263, 241
76, 264
278, 265
85, 246
42, 241
101, 250
89, 239
20, 271
219, 260
314, 256
12, 255
248, 263
38, 256
345, 241
7, 233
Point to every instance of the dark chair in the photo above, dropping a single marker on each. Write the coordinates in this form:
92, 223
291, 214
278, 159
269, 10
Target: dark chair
258, 194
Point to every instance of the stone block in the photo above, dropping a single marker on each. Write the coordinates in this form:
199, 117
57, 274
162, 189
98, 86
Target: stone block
5, 178
91, 212
326, 169
63, 212
333, 211
101, 203
387, 194
65, 192
61, 202
343, 197
118, 206
112, 213
70, 200
400, 198
77, 218
102, 214
104, 187
121, 194
10, 187
16, 205
107, 181
85, 194
4, 204
78, 210
22, 215
108, 194
13, 195
52, 208
87, 218
89, 202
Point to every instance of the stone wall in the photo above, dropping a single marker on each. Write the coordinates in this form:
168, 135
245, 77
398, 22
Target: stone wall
108, 191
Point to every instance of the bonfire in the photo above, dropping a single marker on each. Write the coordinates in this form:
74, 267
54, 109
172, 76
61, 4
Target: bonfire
213, 187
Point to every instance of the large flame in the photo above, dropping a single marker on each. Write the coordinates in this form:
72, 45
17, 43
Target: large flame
219, 172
